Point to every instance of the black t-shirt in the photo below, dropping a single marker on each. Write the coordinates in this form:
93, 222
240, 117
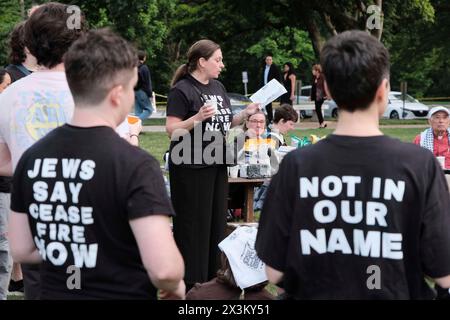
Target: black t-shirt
80, 188
5, 184
353, 213
144, 80
206, 141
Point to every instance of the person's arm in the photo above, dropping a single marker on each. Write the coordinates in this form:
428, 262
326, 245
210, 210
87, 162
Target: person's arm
23, 249
5, 161
178, 108
159, 253
274, 275
443, 282
293, 79
135, 130
241, 116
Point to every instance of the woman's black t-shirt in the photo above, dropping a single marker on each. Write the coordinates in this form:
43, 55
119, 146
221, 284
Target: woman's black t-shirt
204, 145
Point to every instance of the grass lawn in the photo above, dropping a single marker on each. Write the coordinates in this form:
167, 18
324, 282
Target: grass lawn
162, 122
156, 143
154, 122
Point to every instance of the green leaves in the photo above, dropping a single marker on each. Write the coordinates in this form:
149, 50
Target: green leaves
9, 16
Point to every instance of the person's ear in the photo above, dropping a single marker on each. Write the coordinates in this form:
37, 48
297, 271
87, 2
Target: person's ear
382, 96
115, 95
383, 91
201, 62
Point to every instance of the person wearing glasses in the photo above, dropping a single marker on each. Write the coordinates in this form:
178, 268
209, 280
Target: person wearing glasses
253, 145
436, 138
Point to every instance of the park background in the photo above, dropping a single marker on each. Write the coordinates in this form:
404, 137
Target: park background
416, 32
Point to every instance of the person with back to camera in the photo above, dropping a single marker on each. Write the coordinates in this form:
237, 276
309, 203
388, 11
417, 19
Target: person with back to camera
327, 225
143, 91
198, 118
44, 92
102, 210
5, 261
22, 64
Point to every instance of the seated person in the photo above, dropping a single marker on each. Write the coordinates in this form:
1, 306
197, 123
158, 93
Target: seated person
284, 119
253, 146
436, 138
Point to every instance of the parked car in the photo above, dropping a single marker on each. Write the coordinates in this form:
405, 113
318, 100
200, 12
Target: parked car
238, 102
413, 108
304, 96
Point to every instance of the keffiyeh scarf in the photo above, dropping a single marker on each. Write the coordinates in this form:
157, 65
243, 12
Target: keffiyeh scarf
427, 139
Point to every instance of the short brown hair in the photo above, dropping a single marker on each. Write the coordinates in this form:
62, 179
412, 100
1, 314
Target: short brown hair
247, 119
47, 35
317, 67
16, 42
96, 63
285, 112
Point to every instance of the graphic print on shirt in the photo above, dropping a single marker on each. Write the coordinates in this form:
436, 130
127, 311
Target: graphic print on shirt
60, 218
222, 120
41, 113
373, 214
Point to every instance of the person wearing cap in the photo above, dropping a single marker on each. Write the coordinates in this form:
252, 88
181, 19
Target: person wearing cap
436, 138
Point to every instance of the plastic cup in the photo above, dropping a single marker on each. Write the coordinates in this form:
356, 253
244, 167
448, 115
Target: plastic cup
234, 171
132, 119
441, 161
211, 103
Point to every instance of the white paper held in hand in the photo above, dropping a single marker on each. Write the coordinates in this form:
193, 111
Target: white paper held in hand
267, 94
123, 129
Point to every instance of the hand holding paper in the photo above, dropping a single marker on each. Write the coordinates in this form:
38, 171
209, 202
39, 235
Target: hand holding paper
268, 93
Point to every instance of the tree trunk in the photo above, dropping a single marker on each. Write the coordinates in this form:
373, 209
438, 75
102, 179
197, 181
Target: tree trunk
329, 24
314, 34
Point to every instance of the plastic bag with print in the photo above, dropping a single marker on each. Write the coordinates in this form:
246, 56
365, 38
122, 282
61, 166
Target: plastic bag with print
239, 247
